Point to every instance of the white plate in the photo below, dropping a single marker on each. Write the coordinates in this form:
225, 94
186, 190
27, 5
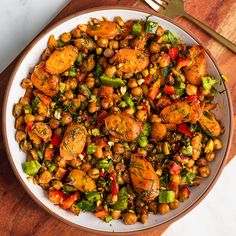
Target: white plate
88, 220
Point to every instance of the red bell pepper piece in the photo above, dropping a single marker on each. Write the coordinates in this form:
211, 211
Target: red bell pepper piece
184, 193
172, 186
182, 62
48, 155
56, 140
164, 60
101, 142
183, 129
106, 91
173, 53
28, 127
154, 90
192, 98
100, 118
148, 79
68, 202
102, 214
169, 90
175, 169
114, 188
56, 196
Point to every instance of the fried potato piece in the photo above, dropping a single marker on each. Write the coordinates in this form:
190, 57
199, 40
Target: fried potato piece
82, 181
123, 126
61, 60
197, 68
131, 60
144, 178
103, 29
209, 124
45, 82
73, 141
42, 130
181, 112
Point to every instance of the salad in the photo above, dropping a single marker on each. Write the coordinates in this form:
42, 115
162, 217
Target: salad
117, 120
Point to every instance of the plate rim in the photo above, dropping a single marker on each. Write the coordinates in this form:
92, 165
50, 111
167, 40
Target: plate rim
10, 158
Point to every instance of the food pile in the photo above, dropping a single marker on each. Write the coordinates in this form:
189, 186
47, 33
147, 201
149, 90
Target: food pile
116, 120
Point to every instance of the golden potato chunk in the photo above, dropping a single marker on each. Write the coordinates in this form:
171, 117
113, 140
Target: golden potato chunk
73, 141
123, 126
45, 82
144, 178
131, 60
42, 130
82, 181
61, 60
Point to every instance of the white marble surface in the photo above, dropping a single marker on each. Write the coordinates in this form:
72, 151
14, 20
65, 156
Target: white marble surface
21, 20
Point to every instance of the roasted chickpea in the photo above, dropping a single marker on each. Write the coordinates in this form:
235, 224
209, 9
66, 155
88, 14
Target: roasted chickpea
145, 89
113, 139
176, 179
86, 167
90, 82
26, 83
65, 37
75, 163
76, 33
129, 110
66, 118
217, 144
118, 148
153, 207
110, 71
46, 54
82, 98
163, 208
39, 117
75, 102
94, 173
144, 218
205, 92
137, 92
69, 94
106, 103
204, 171
102, 42
108, 52
57, 184
34, 154
191, 89
154, 47
120, 167
132, 83
98, 152
174, 205
20, 135
45, 177
124, 43
114, 44
52, 43
142, 152
25, 101
201, 162
155, 119
190, 163
142, 115
73, 83
130, 218
195, 169
29, 118
116, 214
92, 107
17, 111
26, 146
19, 122
210, 156
112, 199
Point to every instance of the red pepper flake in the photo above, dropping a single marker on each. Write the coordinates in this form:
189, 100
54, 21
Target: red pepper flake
56, 140
183, 129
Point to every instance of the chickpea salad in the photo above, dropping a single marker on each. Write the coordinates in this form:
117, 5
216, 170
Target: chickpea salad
117, 120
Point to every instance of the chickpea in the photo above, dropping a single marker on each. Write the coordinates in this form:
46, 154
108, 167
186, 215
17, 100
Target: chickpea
106, 103
144, 218
137, 92
82, 98
69, 94
114, 44
57, 184
98, 51
201, 162
108, 52
98, 152
132, 83
130, 110
76, 33
113, 139
52, 43
46, 54
107, 153
65, 37
124, 43
217, 144
120, 167
116, 214
17, 111
163, 208
210, 156
66, 118
160, 31
191, 89
153, 207
155, 119
90, 82
29, 119
145, 89
73, 83
92, 107
86, 167
112, 199
34, 154
176, 179
190, 163
174, 205
102, 42
45, 177
204, 171
20, 135
142, 115
26, 83
154, 47
119, 21
94, 173
26, 146
142, 152
75, 163
118, 148
39, 117
103, 61
19, 122
54, 123
110, 71
130, 218
25, 101
195, 169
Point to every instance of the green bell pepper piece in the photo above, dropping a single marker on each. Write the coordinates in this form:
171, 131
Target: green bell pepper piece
93, 196
137, 28
122, 202
31, 167
129, 101
208, 82
85, 205
117, 82
91, 148
166, 196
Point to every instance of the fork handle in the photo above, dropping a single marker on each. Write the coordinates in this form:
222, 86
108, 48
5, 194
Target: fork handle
211, 32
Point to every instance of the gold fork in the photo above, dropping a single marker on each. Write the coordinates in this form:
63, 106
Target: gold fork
174, 8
